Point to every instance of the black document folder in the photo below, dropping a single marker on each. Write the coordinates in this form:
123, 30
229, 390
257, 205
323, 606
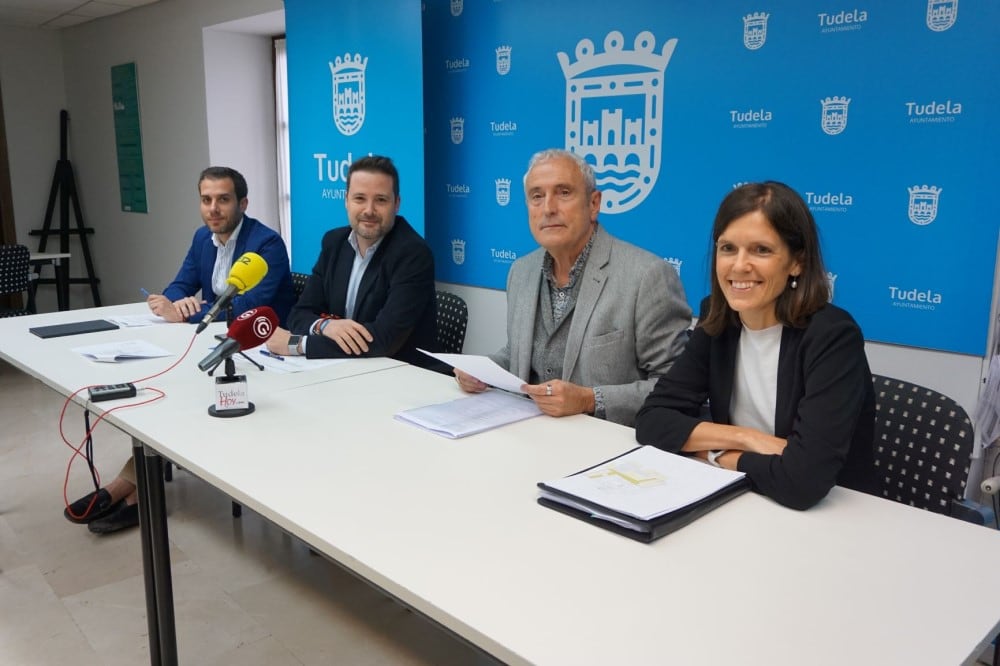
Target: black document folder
645, 530
73, 328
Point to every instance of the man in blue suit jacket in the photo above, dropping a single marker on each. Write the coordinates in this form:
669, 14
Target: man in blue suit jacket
227, 234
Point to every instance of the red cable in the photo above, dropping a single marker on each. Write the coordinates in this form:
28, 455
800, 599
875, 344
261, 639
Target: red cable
76, 449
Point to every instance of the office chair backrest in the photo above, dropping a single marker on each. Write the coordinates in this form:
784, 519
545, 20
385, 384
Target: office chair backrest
923, 445
15, 276
299, 282
452, 319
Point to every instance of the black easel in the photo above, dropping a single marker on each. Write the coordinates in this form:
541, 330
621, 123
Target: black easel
64, 184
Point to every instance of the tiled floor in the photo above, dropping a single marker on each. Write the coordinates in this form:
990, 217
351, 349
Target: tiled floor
244, 591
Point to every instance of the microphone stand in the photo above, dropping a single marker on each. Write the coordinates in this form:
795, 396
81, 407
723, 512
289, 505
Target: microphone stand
232, 378
229, 322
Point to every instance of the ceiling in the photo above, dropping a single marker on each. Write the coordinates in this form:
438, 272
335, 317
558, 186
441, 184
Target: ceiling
56, 14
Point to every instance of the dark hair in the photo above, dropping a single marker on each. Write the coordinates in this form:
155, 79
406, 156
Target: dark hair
376, 164
790, 217
218, 173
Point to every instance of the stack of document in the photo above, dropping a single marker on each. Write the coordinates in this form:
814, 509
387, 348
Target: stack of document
112, 352
644, 493
467, 416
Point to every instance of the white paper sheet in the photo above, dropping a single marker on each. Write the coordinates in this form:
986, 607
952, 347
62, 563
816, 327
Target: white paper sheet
646, 482
132, 321
284, 364
482, 368
467, 416
112, 352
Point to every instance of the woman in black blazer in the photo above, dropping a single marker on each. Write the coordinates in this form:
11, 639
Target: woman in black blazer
784, 374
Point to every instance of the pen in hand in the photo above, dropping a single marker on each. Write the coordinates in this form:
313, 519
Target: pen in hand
144, 292
270, 355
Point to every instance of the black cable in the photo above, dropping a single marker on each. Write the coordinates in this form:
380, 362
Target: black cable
89, 450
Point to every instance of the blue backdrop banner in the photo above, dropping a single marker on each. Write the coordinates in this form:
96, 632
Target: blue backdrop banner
355, 88
877, 112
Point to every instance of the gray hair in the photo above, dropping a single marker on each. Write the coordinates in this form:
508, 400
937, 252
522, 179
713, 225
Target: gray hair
556, 153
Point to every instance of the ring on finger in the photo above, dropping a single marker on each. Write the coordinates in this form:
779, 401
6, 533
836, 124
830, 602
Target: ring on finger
548, 389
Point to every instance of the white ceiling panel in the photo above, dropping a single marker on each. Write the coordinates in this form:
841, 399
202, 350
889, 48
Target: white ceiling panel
55, 14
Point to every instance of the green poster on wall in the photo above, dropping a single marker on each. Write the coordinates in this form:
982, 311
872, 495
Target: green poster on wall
128, 138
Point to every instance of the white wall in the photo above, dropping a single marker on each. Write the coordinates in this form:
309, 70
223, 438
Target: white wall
31, 78
165, 40
239, 85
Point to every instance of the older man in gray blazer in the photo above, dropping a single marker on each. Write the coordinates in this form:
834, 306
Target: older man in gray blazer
592, 321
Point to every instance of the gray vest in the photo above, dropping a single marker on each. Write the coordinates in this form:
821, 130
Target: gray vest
548, 345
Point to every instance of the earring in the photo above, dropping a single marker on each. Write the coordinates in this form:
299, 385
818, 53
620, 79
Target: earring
795, 281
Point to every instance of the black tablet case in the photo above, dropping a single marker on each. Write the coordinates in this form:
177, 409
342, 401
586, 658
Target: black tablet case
73, 328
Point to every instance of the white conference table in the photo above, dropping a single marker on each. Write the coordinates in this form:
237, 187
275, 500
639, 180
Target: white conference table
451, 528
54, 362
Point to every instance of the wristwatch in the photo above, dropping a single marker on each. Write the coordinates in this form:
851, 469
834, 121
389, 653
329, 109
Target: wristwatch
294, 342
713, 457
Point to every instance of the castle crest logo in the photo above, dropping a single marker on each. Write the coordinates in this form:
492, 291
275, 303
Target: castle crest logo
503, 191
456, 7
457, 130
941, 14
923, 208
834, 119
755, 30
458, 251
615, 121
349, 93
503, 60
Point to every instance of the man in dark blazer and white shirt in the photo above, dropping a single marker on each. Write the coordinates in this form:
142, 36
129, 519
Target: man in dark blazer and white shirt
371, 292
592, 321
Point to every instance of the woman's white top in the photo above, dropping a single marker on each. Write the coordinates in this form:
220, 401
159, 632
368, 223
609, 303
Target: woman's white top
755, 384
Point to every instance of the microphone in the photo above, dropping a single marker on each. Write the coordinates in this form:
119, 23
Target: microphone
250, 329
247, 272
